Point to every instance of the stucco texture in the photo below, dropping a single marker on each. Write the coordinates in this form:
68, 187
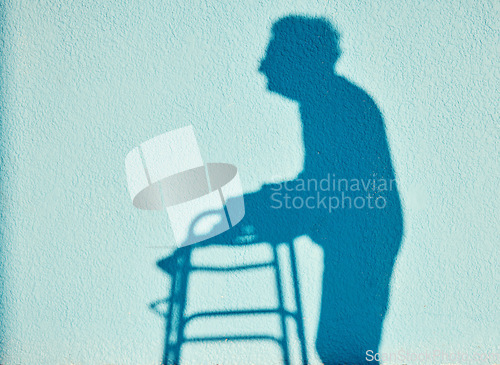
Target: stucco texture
85, 82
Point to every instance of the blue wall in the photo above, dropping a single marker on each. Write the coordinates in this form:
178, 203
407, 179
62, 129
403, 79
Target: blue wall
82, 84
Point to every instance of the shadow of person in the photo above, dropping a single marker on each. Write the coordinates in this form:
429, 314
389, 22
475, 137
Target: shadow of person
345, 199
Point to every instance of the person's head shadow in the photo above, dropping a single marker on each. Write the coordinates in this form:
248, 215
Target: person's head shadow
300, 56
345, 198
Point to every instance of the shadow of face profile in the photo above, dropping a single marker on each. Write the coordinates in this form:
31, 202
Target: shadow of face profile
301, 53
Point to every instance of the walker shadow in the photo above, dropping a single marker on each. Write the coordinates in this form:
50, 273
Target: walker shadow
344, 136
180, 268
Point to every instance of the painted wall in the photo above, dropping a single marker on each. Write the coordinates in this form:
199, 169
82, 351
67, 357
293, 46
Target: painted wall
84, 83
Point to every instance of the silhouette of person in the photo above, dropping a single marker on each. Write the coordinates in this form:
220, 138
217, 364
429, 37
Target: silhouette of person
345, 198
359, 223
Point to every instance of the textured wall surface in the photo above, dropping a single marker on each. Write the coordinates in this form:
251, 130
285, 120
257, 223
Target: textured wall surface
85, 82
